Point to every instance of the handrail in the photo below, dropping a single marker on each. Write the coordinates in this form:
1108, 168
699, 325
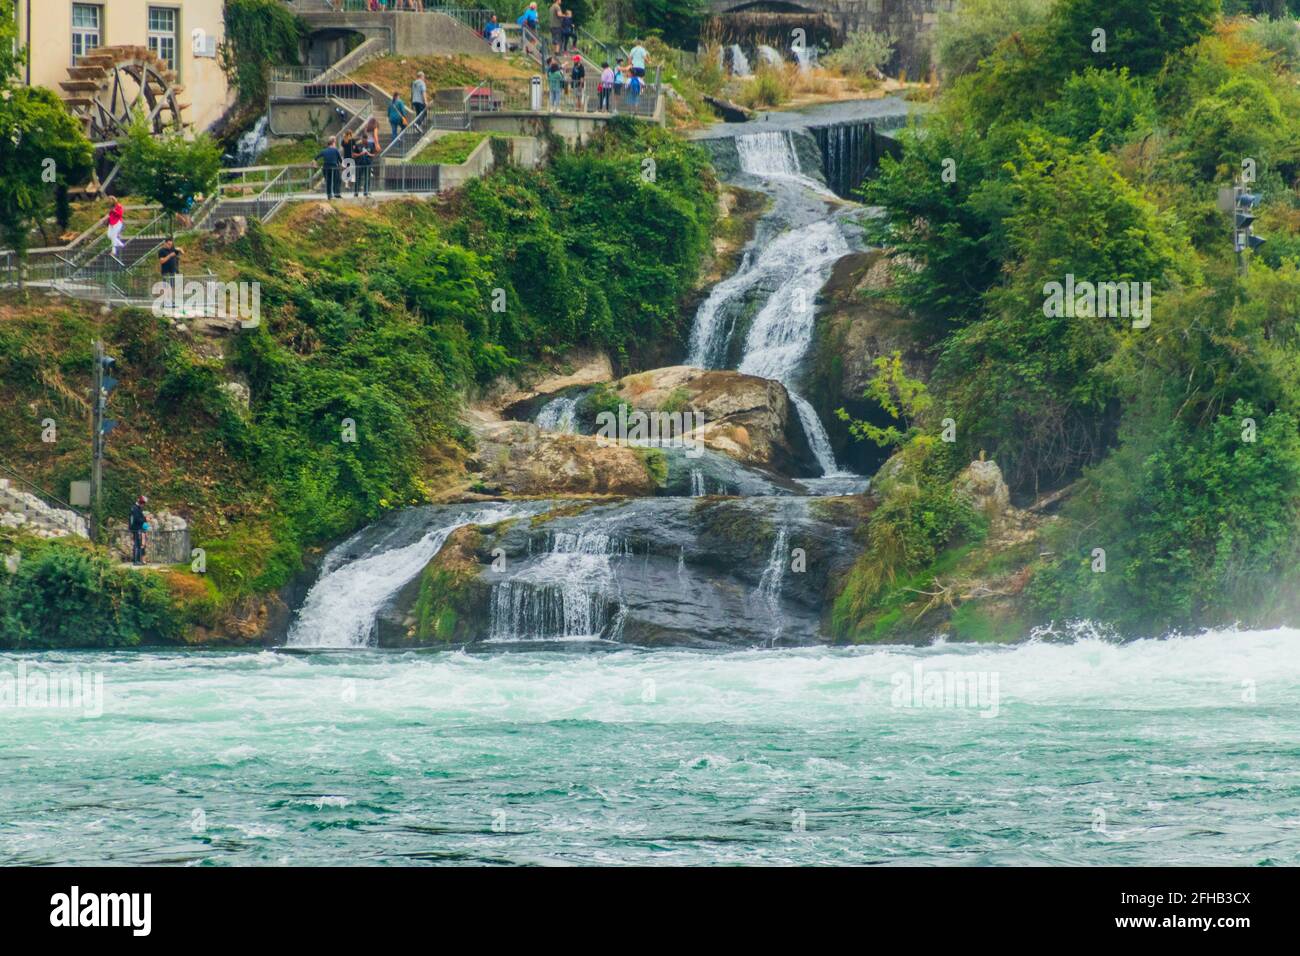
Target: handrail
41, 493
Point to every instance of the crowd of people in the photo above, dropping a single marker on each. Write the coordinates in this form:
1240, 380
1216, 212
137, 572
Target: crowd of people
617, 86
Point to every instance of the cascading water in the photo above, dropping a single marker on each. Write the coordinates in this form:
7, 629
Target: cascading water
846, 154
340, 609
799, 261
769, 55
565, 594
558, 415
769, 583
252, 143
739, 62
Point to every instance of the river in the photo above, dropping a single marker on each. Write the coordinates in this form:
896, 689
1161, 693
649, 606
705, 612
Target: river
1151, 752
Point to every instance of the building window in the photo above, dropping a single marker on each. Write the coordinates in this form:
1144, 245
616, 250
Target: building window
162, 34
85, 29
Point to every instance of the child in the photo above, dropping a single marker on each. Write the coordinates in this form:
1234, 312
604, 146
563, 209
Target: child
116, 220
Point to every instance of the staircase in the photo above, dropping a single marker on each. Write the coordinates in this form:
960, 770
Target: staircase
38, 514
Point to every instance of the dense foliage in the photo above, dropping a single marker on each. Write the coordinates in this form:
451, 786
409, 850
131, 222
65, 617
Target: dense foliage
1065, 157
259, 34
43, 149
62, 596
169, 170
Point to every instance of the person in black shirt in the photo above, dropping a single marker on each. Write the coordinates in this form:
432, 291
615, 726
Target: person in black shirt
137, 525
332, 160
169, 258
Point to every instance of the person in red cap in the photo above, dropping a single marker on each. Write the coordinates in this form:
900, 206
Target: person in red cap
138, 525
578, 83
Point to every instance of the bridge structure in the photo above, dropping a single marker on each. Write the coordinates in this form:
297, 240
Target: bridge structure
906, 22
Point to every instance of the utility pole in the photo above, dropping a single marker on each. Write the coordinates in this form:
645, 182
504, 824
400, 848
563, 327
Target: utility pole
96, 438
102, 385
1243, 215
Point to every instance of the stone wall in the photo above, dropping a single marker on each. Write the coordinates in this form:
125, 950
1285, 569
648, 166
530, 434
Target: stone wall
907, 22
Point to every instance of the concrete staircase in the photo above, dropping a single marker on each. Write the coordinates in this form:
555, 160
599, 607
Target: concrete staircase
27, 512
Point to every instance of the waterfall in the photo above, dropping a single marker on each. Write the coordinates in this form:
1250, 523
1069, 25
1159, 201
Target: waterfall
807, 58
565, 594
770, 581
782, 331
769, 55
698, 488
772, 155
557, 415
252, 143
739, 62
798, 261
846, 154
341, 607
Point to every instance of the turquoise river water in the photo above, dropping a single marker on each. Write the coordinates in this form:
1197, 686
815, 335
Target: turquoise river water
1152, 752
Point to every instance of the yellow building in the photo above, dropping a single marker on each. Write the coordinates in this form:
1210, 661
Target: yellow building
183, 34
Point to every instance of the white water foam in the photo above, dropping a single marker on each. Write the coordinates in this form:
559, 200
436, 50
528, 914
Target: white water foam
340, 609
557, 415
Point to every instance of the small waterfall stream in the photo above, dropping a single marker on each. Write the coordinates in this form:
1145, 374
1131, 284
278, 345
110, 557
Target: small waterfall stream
341, 608
769, 55
558, 415
739, 62
565, 595
799, 260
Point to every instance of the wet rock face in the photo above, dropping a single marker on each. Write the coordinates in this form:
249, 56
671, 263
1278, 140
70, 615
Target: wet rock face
747, 418
702, 572
855, 326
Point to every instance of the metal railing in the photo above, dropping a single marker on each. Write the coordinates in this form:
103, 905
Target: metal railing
10, 476
315, 82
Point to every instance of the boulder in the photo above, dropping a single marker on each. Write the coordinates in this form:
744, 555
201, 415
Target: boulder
981, 482
702, 572
747, 418
518, 458
231, 229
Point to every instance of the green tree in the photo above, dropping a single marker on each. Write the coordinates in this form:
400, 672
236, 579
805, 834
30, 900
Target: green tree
975, 28
170, 170
42, 149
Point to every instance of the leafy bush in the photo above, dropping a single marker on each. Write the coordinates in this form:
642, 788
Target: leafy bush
67, 596
973, 29
864, 53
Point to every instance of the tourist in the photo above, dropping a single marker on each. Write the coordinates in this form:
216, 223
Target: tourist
364, 152
638, 56
169, 258
398, 113
568, 33
418, 92
348, 145
578, 83
116, 221
528, 21
634, 86
620, 77
555, 82
605, 87
332, 160
556, 16
138, 524
490, 31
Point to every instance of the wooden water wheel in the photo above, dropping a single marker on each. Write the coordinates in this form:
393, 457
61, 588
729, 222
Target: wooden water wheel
109, 86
